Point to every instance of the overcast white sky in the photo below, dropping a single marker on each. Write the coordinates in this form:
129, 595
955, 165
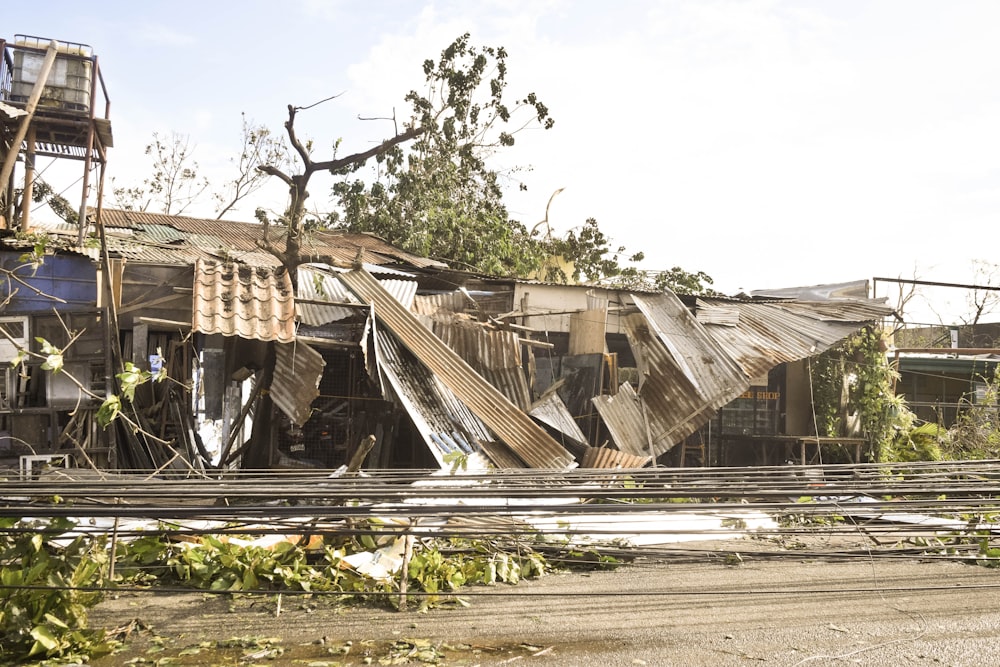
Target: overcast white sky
768, 143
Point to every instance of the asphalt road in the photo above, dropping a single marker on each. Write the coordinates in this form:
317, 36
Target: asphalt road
686, 612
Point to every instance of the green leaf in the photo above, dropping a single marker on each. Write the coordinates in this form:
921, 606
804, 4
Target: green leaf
109, 410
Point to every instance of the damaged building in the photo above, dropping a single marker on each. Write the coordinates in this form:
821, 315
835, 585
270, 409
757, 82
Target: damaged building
441, 368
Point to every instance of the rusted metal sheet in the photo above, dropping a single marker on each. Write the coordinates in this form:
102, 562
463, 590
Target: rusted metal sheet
854, 290
495, 355
674, 405
602, 457
318, 284
623, 416
703, 361
322, 283
514, 428
452, 302
298, 370
225, 239
236, 300
771, 333
445, 423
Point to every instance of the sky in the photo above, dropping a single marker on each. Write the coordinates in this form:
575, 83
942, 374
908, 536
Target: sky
768, 143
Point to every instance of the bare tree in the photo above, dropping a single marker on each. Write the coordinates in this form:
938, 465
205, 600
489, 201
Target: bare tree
260, 147
298, 184
982, 296
174, 184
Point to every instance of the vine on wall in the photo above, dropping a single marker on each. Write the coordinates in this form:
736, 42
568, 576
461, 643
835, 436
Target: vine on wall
852, 382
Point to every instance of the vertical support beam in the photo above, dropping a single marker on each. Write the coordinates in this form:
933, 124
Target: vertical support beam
29, 180
82, 219
140, 346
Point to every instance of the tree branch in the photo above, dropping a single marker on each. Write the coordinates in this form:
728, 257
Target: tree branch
274, 171
296, 144
357, 158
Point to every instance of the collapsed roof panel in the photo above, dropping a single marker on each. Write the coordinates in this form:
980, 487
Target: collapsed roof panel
673, 404
298, 370
495, 355
623, 416
551, 411
703, 361
514, 428
602, 457
763, 335
444, 423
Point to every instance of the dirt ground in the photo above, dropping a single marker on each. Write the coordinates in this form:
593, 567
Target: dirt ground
683, 611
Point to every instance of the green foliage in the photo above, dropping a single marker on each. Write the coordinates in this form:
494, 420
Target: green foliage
989, 555
976, 432
53, 356
447, 565
35, 257
129, 379
217, 565
436, 566
916, 442
458, 460
43, 612
42, 192
440, 199
854, 379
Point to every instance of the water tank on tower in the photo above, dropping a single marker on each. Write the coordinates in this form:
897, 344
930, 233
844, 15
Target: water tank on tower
69, 84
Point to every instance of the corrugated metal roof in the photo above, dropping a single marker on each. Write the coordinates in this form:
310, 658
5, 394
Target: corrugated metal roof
162, 233
445, 424
298, 370
675, 407
854, 290
713, 374
514, 428
452, 302
768, 334
234, 239
237, 300
319, 282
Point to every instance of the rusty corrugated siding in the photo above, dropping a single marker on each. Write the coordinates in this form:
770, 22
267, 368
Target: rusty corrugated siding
236, 300
298, 370
622, 414
495, 355
602, 457
514, 428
